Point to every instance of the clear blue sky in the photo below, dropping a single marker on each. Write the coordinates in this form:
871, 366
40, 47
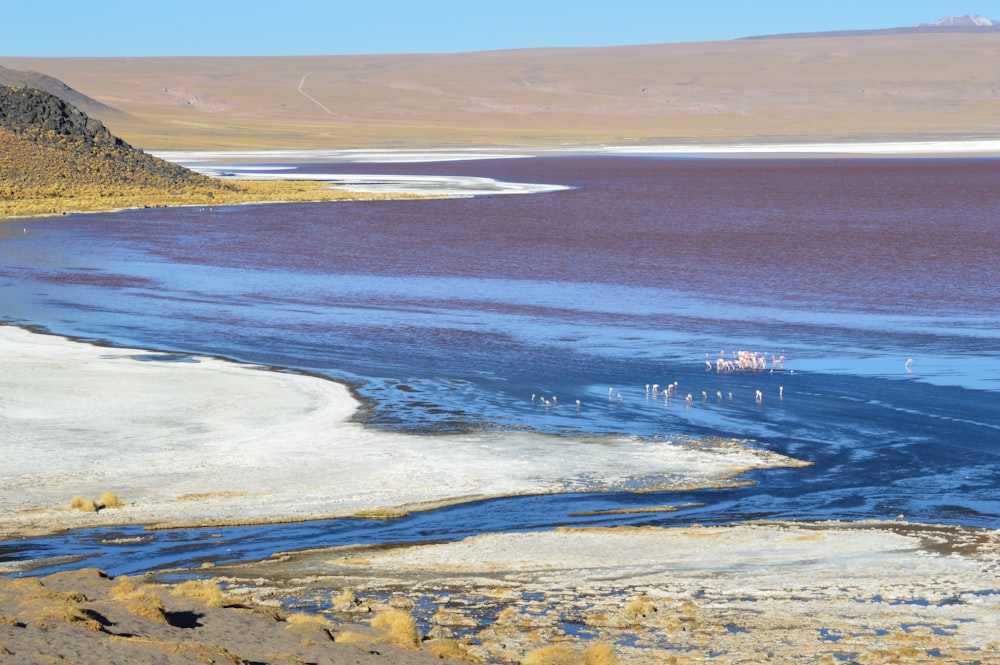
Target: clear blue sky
78, 28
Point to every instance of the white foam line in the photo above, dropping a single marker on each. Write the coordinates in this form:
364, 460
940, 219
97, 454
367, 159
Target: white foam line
875, 148
456, 186
389, 156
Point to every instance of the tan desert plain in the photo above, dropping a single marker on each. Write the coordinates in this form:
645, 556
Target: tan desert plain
871, 592
868, 87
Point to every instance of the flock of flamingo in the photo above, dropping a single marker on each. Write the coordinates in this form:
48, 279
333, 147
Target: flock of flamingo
740, 361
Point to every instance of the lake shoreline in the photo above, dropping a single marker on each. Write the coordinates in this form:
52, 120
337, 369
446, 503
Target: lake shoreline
197, 441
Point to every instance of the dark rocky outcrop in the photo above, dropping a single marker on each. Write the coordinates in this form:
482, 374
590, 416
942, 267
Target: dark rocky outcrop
50, 147
30, 110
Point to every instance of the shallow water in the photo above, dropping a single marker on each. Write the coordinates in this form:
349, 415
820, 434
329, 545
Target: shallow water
448, 315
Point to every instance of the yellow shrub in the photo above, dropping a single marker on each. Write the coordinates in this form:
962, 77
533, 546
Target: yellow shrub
110, 500
306, 618
400, 628
597, 654
641, 605
84, 505
207, 591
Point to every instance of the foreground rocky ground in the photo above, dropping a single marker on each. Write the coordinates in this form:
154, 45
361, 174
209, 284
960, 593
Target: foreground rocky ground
770, 592
85, 617
782, 592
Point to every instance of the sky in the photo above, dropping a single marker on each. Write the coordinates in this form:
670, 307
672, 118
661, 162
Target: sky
136, 28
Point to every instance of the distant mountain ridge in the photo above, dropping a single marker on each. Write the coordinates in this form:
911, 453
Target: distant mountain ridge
965, 23
962, 21
29, 79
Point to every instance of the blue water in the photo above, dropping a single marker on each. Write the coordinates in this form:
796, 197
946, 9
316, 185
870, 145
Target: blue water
447, 315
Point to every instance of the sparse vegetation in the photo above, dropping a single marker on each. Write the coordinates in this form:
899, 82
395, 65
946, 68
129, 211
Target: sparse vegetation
83, 505
110, 500
142, 600
398, 628
205, 590
640, 606
345, 599
450, 649
307, 618
107, 500
557, 654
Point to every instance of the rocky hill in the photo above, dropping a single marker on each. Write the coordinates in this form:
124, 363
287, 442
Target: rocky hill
54, 158
52, 148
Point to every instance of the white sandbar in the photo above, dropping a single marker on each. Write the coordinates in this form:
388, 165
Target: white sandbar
212, 440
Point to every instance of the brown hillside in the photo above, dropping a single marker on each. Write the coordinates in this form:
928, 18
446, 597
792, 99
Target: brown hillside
878, 86
19, 79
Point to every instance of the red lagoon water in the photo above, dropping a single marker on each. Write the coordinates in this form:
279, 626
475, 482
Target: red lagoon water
871, 233
448, 314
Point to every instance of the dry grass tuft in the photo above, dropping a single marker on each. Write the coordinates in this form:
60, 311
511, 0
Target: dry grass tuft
123, 589
83, 505
64, 612
110, 500
451, 650
345, 598
204, 590
597, 654
600, 653
141, 601
307, 618
41, 606
399, 628
640, 606
353, 637
146, 604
